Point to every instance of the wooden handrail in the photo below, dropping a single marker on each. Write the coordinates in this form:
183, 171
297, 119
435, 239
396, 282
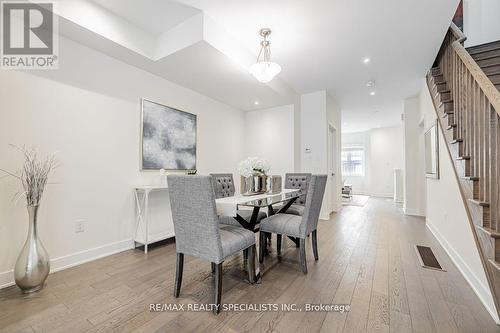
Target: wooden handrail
458, 33
467, 106
482, 80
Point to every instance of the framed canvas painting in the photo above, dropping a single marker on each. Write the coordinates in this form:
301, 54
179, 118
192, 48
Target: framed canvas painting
168, 137
431, 138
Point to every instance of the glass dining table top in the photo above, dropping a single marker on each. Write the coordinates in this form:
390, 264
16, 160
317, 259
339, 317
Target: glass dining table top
272, 199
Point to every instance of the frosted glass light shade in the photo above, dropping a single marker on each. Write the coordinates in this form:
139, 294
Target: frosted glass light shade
265, 71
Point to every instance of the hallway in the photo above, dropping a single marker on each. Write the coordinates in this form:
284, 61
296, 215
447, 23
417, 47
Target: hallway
366, 259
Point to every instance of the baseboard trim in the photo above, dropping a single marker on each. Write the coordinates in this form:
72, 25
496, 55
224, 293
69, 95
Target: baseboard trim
412, 212
75, 259
324, 217
376, 195
482, 291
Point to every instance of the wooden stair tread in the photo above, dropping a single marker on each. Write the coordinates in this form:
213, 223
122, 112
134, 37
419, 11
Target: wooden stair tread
480, 203
456, 141
463, 158
486, 56
494, 264
490, 232
483, 47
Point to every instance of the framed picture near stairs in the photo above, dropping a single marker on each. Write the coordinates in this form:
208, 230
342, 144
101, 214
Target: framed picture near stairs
431, 138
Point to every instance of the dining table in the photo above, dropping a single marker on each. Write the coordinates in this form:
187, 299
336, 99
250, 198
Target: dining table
229, 206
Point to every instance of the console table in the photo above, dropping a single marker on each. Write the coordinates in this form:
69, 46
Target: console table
142, 227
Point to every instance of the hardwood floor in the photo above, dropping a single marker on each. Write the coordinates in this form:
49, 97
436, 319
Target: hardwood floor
366, 259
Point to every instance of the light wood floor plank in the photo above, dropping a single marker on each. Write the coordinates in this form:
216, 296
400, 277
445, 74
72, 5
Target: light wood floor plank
367, 261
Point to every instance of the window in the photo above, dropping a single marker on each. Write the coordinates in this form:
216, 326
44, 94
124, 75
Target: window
353, 160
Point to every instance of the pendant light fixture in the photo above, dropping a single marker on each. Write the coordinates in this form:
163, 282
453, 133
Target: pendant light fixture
264, 70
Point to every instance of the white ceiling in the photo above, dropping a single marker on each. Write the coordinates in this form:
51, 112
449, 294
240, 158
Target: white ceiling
320, 45
152, 16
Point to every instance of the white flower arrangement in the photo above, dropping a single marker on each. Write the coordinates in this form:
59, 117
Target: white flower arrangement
253, 165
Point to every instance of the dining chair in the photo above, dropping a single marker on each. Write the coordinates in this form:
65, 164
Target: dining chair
198, 232
295, 226
224, 187
299, 181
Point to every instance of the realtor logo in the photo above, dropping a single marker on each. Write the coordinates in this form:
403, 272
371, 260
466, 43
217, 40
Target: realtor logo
29, 35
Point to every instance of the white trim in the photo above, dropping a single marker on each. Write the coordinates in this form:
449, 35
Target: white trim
75, 259
482, 291
6, 279
373, 194
325, 218
413, 212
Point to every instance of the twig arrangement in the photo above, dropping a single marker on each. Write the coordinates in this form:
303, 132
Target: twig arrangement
33, 175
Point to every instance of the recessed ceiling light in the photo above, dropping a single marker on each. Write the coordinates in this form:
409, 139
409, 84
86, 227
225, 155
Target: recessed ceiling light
256, 103
366, 60
372, 93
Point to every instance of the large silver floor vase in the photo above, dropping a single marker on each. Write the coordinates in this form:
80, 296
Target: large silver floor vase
32, 265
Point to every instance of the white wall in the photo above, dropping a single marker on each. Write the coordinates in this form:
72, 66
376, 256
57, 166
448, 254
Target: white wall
313, 125
383, 153
414, 170
334, 185
481, 21
269, 134
318, 110
89, 111
447, 218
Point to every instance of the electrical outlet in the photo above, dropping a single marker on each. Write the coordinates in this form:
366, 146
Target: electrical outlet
79, 226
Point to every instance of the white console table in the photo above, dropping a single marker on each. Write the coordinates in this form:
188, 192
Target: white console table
142, 228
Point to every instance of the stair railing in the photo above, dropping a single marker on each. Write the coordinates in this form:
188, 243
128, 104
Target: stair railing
476, 106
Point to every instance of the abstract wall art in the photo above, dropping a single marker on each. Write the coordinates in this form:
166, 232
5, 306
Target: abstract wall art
168, 138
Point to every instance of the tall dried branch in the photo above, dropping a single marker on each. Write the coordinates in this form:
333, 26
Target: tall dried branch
34, 174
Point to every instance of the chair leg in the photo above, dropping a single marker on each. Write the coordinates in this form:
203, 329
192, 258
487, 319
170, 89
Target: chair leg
278, 243
218, 288
245, 255
315, 244
178, 274
251, 264
213, 267
302, 255
262, 246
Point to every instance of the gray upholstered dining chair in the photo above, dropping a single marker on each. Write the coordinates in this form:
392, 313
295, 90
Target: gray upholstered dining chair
224, 187
298, 226
299, 181
198, 232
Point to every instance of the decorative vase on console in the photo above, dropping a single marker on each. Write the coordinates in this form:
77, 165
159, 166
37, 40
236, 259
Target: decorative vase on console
253, 172
33, 264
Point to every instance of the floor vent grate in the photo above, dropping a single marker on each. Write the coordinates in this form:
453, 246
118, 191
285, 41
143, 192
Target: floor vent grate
427, 258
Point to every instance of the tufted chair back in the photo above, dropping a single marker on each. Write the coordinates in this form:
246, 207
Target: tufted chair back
223, 184
298, 181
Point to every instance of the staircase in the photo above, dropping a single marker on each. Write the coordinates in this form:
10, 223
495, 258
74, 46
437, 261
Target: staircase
487, 56
465, 88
